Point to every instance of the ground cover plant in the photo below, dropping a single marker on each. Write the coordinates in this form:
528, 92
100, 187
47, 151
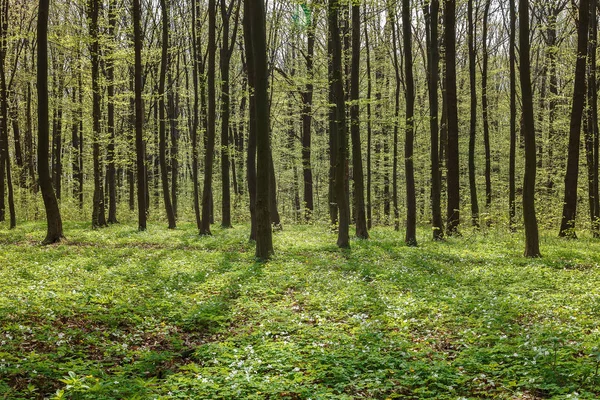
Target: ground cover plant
117, 313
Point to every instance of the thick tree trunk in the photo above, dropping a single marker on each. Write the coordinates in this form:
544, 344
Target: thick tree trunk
54, 229
453, 167
532, 247
264, 235
337, 87
357, 166
225, 116
567, 226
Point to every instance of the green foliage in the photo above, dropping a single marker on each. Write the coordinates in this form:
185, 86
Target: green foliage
118, 314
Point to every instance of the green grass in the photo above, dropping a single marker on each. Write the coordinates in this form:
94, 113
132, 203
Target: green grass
115, 314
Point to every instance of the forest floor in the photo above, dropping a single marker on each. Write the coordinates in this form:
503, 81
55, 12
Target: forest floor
114, 314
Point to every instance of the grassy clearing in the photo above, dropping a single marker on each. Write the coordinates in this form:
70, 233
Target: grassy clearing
117, 314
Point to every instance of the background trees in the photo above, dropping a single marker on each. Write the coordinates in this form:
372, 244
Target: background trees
138, 89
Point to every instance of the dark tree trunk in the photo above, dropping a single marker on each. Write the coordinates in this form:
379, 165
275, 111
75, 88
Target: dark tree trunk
431, 14
369, 126
591, 133
473, 119
532, 247
453, 167
307, 102
110, 156
4, 142
98, 216
333, 203
411, 200
14, 117
29, 142
164, 65
357, 166
75, 143
264, 235
225, 101
337, 87
392, 14
210, 132
567, 226
484, 105
173, 116
251, 160
197, 54
513, 118
54, 229
139, 117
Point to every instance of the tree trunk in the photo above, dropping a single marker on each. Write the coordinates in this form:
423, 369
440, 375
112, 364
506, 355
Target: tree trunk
54, 222
110, 156
337, 87
453, 167
473, 119
264, 238
164, 65
431, 14
484, 105
411, 200
567, 226
139, 117
98, 216
225, 102
532, 247
357, 166
392, 14
210, 132
513, 119
307, 102
369, 127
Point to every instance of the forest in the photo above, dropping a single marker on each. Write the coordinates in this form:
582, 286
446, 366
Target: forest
304, 199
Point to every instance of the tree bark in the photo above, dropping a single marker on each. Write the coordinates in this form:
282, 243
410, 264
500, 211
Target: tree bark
473, 119
513, 119
110, 156
139, 117
357, 166
591, 133
567, 226
54, 222
532, 247
307, 102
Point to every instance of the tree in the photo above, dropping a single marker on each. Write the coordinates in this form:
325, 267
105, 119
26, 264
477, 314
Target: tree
411, 201
359, 187
307, 102
139, 116
567, 226
110, 154
431, 13
256, 19
164, 65
473, 119
54, 232
451, 100
337, 88
485, 108
532, 246
211, 126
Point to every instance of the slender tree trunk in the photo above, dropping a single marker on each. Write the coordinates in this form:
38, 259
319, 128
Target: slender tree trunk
369, 127
532, 247
264, 236
110, 156
473, 119
307, 102
551, 37
411, 200
513, 119
337, 87
225, 102
567, 227
396, 63
197, 51
54, 222
29, 142
431, 14
252, 128
357, 166
453, 167
591, 133
98, 216
210, 132
484, 105
164, 65
139, 117
4, 142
